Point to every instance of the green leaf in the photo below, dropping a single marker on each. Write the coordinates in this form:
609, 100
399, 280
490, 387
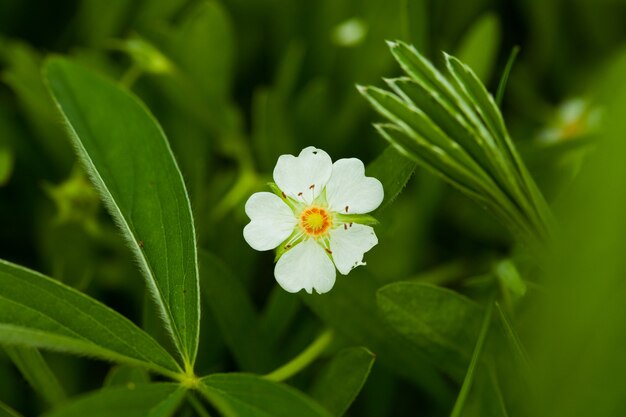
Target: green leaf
35, 370
350, 308
130, 161
40, 312
206, 27
149, 400
234, 312
413, 119
342, 379
393, 170
444, 116
441, 322
471, 370
504, 78
479, 48
243, 395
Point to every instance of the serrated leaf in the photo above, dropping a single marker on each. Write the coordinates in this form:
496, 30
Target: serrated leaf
128, 157
342, 378
442, 323
40, 312
244, 395
35, 370
149, 400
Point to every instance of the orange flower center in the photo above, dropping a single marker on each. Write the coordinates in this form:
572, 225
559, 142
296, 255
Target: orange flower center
315, 221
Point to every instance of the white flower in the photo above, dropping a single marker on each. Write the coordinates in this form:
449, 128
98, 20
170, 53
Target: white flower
314, 219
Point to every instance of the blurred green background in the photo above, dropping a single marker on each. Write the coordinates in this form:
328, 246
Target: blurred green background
235, 84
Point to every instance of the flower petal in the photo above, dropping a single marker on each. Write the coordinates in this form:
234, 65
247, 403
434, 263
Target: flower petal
272, 221
349, 244
307, 266
303, 177
349, 187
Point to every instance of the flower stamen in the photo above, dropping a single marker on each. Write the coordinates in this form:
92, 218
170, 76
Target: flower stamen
315, 221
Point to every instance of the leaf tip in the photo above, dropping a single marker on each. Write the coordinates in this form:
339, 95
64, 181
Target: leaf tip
391, 44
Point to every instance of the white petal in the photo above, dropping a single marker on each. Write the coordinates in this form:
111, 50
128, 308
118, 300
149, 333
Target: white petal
272, 221
349, 187
349, 244
303, 177
307, 266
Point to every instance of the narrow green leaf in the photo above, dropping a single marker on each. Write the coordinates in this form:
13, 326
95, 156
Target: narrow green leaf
35, 370
515, 342
393, 170
479, 48
488, 196
412, 118
442, 323
416, 148
444, 116
243, 395
130, 161
40, 312
505, 75
423, 72
478, 97
341, 380
522, 184
149, 400
469, 376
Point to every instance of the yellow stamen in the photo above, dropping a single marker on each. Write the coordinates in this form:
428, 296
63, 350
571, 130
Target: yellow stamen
315, 221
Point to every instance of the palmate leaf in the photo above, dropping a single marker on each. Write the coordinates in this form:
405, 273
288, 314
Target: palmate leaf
37, 311
147, 400
244, 395
452, 125
129, 159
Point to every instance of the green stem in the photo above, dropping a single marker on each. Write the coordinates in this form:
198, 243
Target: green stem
131, 75
469, 376
303, 359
